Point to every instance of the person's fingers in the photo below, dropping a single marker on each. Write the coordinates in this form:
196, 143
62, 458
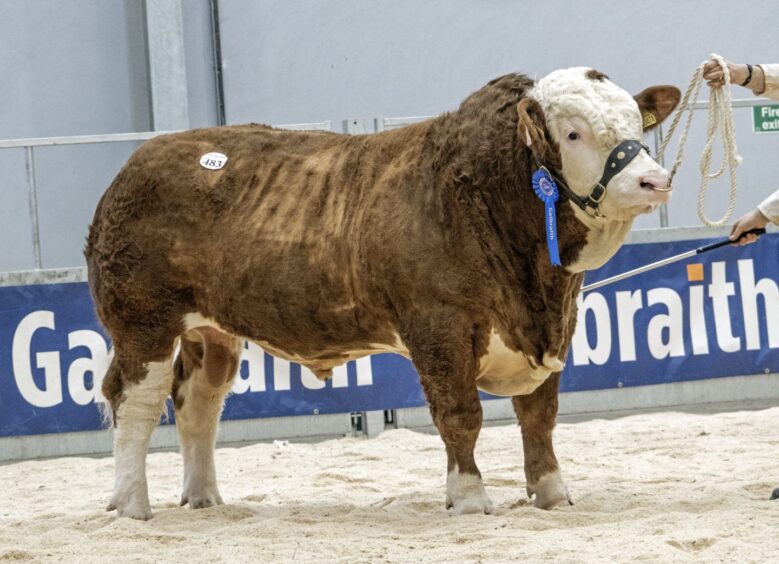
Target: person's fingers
747, 239
736, 231
714, 76
749, 221
712, 73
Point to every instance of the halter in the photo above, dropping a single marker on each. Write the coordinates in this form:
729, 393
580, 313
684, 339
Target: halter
618, 159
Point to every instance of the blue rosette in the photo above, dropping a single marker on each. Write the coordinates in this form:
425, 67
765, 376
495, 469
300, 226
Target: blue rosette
546, 189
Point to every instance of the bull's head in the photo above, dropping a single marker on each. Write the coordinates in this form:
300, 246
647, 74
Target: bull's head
576, 120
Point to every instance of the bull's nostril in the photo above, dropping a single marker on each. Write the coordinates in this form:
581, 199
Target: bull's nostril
647, 185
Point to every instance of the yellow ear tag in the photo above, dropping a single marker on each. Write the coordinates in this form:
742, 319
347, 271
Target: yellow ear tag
648, 118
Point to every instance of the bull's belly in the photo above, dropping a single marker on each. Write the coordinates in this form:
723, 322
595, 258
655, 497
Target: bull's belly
321, 366
504, 372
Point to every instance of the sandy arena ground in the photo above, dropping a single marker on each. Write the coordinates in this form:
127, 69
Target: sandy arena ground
660, 487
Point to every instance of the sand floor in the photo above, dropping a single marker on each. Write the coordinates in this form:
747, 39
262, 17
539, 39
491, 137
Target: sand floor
660, 487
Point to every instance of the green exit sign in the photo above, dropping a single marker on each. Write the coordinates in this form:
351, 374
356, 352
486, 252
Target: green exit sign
765, 119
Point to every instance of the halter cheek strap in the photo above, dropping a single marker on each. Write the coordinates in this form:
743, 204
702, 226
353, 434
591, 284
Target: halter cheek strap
618, 159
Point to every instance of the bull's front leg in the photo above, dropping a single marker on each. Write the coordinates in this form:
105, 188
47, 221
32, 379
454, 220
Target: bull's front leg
457, 415
447, 371
537, 413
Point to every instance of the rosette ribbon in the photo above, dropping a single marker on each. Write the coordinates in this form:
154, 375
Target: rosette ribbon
546, 189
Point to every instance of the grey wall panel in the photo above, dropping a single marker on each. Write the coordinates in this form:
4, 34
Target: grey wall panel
16, 250
69, 68
308, 60
71, 180
198, 47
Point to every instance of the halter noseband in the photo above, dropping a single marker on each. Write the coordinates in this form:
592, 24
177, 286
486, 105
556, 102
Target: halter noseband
618, 159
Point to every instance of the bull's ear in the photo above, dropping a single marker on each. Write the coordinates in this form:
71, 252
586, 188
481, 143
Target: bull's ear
531, 128
656, 103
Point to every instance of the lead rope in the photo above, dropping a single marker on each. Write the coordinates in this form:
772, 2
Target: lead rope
720, 112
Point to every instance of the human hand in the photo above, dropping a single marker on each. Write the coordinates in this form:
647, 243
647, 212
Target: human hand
750, 220
712, 73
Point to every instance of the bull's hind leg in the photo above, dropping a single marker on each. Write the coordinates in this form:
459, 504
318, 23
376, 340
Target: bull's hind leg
447, 371
204, 370
537, 413
137, 391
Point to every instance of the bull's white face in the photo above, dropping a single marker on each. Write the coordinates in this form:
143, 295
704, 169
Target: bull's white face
589, 117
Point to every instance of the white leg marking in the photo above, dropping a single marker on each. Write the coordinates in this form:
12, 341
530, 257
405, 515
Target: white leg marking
198, 424
465, 494
136, 419
550, 490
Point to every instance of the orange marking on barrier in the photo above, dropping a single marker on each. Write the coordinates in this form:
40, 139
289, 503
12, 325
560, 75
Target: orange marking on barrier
695, 272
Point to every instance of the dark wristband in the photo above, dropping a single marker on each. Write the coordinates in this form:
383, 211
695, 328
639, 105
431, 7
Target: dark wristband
749, 75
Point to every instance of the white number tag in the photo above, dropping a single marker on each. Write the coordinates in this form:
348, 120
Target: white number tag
213, 161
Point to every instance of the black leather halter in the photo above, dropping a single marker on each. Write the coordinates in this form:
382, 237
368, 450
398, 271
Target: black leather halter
618, 159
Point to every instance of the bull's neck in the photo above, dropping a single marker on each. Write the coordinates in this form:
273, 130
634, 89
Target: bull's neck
510, 206
604, 238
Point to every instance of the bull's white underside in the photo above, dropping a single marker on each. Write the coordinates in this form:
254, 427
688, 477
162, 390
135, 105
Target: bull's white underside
505, 372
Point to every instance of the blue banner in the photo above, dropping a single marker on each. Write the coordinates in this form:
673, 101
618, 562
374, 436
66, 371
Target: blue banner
711, 316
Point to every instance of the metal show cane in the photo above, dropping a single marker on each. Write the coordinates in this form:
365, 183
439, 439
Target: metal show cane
668, 260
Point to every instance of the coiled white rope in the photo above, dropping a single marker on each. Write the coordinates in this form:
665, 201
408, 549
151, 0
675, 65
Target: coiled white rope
720, 115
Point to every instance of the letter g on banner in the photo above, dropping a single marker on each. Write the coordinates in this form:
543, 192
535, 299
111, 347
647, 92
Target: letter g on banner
49, 362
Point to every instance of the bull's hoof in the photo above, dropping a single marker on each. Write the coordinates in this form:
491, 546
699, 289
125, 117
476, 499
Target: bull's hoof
137, 511
201, 500
466, 506
465, 494
550, 491
775, 494
544, 502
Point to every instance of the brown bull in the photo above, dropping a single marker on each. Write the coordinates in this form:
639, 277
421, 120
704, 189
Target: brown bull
427, 240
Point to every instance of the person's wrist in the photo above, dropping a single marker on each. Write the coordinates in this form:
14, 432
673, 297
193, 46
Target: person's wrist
757, 86
761, 219
738, 73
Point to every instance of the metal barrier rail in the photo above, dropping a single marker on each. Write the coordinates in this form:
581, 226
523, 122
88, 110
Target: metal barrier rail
738, 103
80, 139
386, 124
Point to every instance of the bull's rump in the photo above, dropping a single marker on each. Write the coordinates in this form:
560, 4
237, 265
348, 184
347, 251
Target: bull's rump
276, 246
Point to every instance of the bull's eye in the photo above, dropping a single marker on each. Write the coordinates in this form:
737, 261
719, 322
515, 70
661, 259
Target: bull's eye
573, 136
